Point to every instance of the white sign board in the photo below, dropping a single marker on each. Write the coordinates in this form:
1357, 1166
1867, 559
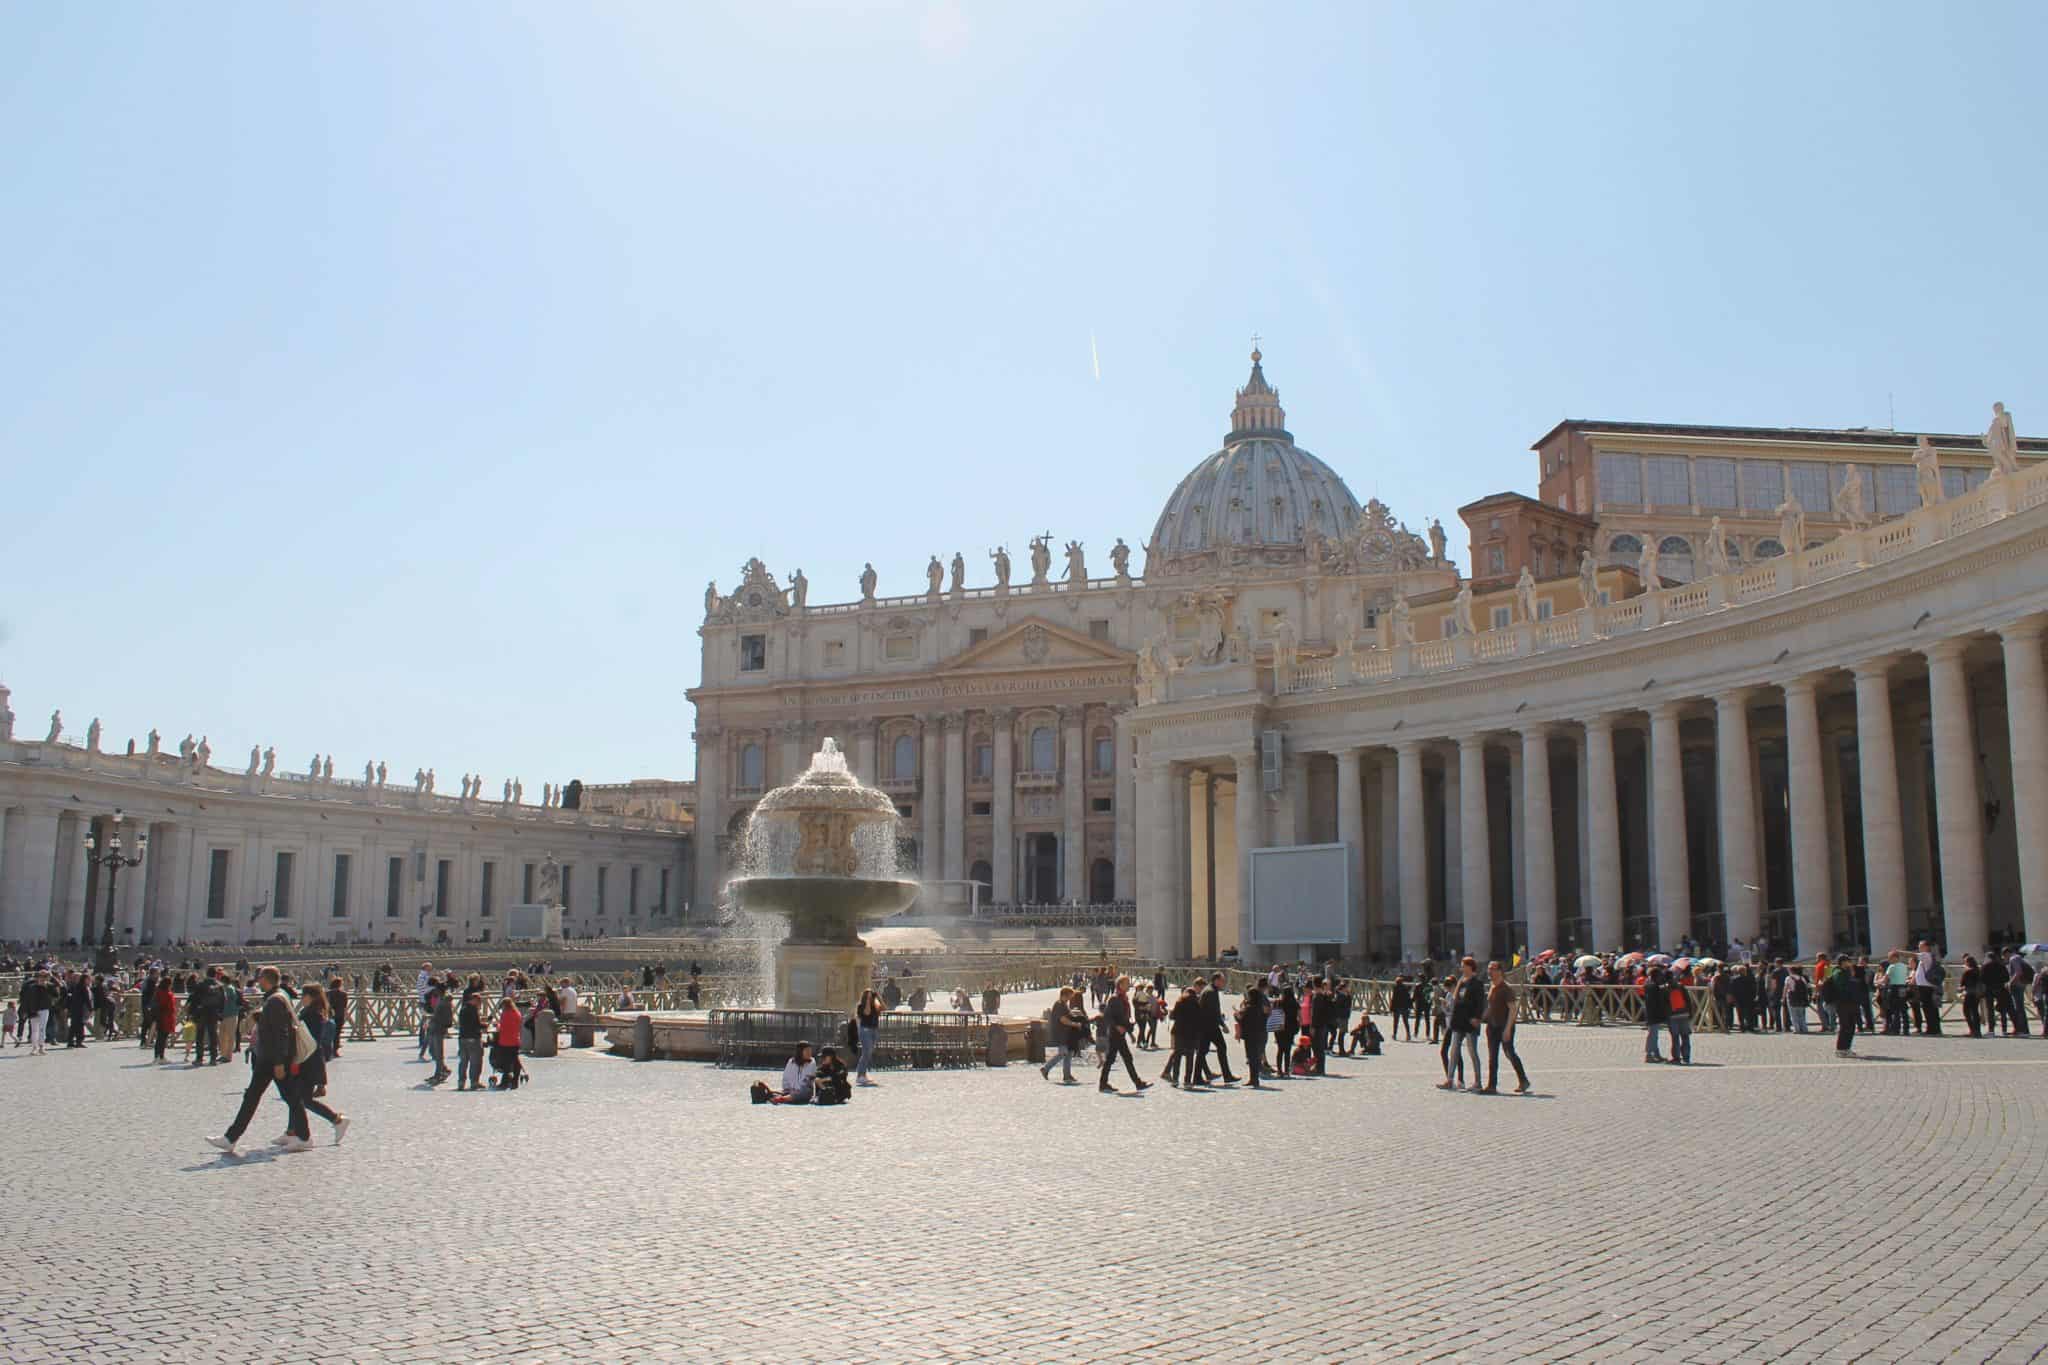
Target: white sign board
1301, 894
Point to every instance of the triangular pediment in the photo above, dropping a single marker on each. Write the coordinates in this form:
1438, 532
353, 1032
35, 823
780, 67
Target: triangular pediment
1035, 642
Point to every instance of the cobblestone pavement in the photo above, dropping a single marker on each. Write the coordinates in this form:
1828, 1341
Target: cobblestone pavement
1771, 1203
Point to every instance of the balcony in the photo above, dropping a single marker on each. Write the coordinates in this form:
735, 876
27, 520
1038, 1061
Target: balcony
1038, 782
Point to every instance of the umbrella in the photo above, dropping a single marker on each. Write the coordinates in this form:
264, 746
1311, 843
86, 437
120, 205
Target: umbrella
1682, 963
1546, 955
1632, 957
1658, 959
2034, 948
1587, 961
1706, 962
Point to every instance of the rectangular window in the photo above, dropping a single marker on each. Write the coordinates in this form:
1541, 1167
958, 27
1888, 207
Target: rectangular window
1502, 618
1450, 624
603, 876
217, 884
487, 901
633, 890
979, 808
753, 653
835, 653
1098, 630
1621, 479
976, 635
567, 877
899, 647
1543, 610
1898, 490
394, 887
1102, 805
1669, 479
1496, 561
1714, 482
526, 884
1954, 483
984, 762
1763, 485
1839, 478
444, 875
661, 908
1808, 480
281, 888
342, 865
1105, 755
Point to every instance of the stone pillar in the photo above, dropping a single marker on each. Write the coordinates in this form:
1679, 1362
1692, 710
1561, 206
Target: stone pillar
1672, 889
1126, 802
1452, 868
1517, 819
1003, 853
1389, 835
1178, 864
128, 907
71, 863
2026, 712
710, 867
864, 752
1157, 937
1074, 804
1351, 833
1735, 786
1813, 908
1884, 858
1915, 839
1414, 852
1959, 816
31, 887
1251, 834
793, 756
1539, 842
931, 797
955, 725
1475, 846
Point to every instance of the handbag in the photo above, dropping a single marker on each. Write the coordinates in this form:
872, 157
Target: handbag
303, 1046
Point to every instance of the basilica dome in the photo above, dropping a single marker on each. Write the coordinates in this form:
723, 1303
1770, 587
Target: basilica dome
1261, 499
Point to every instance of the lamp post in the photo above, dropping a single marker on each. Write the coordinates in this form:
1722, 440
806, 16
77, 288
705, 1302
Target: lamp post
113, 860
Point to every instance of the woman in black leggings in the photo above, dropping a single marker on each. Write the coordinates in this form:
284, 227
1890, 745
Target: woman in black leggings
1251, 1027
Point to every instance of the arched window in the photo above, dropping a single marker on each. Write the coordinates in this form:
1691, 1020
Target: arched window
1624, 550
1734, 553
1768, 549
1101, 882
1674, 558
984, 759
1105, 755
750, 766
1043, 755
903, 758
980, 872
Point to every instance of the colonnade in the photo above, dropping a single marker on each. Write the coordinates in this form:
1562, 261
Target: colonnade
1868, 804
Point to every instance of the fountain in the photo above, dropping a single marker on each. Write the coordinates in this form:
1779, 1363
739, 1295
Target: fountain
821, 859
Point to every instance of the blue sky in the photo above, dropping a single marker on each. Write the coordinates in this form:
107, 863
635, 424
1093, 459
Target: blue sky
389, 379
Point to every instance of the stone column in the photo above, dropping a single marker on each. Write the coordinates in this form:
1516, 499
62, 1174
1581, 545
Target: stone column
1179, 862
1539, 842
1813, 907
930, 800
710, 868
1518, 870
1156, 929
955, 725
1351, 833
864, 752
128, 909
1735, 786
1073, 804
1915, 839
1475, 846
1414, 852
1126, 802
792, 750
2026, 712
1389, 835
71, 859
1672, 891
1251, 834
1959, 816
1003, 854
1451, 867
29, 888
1884, 857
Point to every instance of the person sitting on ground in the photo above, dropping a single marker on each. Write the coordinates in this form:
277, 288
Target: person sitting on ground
1304, 1059
832, 1086
1366, 1037
799, 1078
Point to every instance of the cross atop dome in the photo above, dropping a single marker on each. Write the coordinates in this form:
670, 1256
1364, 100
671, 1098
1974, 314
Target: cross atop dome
1258, 411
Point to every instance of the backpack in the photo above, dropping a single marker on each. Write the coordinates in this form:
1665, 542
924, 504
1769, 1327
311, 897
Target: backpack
1936, 974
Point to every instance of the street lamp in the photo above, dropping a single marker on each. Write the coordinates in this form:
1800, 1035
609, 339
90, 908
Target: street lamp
113, 860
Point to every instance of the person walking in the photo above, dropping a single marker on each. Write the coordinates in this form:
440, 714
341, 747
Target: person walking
440, 1023
2019, 977
312, 1077
337, 1016
78, 998
1500, 1031
1060, 1035
231, 1012
1838, 993
867, 1024
1678, 1020
1116, 1037
1251, 1031
36, 993
1464, 1008
1184, 1024
272, 1062
202, 1004
1398, 1004
469, 1041
1212, 1016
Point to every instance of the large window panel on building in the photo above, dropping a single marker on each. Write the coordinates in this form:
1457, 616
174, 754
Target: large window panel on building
281, 887
444, 872
1621, 479
1674, 559
1763, 485
488, 894
1839, 477
903, 758
217, 884
342, 865
1624, 549
394, 887
1713, 480
1669, 480
1808, 482
1898, 490
750, 767
1043, 758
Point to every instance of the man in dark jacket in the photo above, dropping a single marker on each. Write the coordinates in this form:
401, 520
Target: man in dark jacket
1461, 1033
202, 1003
1116, 1036
272, 1061
1656, 990
1212, 1013
78, 1000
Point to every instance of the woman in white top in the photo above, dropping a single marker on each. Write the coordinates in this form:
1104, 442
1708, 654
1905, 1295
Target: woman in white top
799, 1075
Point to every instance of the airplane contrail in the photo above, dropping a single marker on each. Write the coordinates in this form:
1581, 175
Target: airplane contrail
1094, 356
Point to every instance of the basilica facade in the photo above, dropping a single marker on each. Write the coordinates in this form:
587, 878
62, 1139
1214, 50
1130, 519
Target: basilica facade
1642, 721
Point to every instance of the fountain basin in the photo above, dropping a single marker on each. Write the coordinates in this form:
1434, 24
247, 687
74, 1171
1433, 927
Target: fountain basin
824, 910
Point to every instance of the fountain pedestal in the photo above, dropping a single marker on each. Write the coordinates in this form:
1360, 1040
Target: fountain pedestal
822, 976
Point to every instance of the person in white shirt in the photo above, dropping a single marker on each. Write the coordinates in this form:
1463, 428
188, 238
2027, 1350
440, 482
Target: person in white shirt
567, 995
1928, 975
799, 1076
